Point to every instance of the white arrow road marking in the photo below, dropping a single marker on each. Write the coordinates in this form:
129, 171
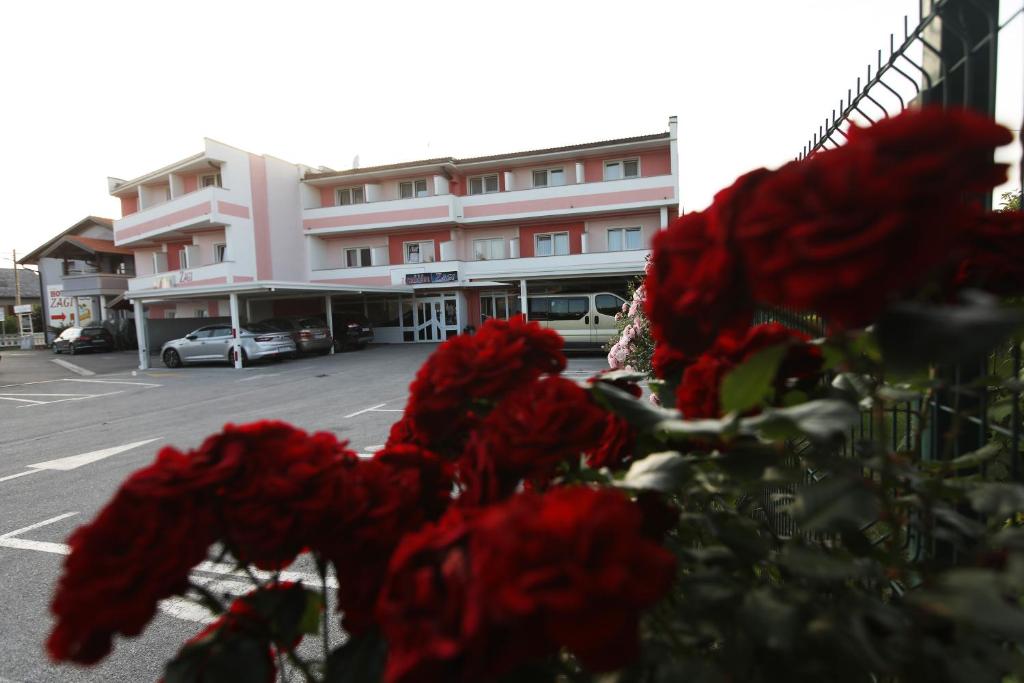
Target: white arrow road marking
227, 579
76, 461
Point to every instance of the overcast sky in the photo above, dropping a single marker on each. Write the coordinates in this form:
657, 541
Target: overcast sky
92, 89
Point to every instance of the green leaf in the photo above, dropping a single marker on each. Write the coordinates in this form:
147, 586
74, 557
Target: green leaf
287, 611
834, 503
973, 596
818, 565
358, 660
986, 453
825, 419
225, 658
657, 472
751, 383
639, 412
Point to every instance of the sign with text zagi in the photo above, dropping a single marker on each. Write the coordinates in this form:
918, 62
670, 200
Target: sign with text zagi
431, 278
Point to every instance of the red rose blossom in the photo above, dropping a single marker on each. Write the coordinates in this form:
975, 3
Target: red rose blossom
484, 592
994, 254
697, 395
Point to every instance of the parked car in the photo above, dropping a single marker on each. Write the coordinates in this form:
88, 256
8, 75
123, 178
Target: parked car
351, 331
311, 335
213, 343
77, 339
585, 320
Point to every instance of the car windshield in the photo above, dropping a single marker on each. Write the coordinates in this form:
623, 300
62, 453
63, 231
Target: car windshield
262, 327
71, 332
312, 322
275, 324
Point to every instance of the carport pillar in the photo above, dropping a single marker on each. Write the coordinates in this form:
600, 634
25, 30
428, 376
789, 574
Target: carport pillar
236, 331
523, 307
103, 309
329, 315
141, 334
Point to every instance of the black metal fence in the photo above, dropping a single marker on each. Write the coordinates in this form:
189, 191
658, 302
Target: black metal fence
948, 58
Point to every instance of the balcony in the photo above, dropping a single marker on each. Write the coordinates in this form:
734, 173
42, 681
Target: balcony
594, 263
565, 200
436, 209
213, 274
196, 210
94, 284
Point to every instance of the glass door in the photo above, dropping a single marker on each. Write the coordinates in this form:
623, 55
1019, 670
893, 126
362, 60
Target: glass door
429, 320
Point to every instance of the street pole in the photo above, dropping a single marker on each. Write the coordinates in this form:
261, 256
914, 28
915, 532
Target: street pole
17, 282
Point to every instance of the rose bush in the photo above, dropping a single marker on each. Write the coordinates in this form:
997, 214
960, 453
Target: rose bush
774, 519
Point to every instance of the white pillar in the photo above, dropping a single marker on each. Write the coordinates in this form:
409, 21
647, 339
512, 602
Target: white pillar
664, 217
141, 334
523, 307
248, 310
510, 181
584, 243
580, 178
74, 313
103, 308
329, 314
236, 331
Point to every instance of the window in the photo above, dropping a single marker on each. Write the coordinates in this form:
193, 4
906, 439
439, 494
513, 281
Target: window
608, 304
183, 259
210, 180
620, 239
483, 184
419, 252
551, 244
559, 308
412, 188
621, 168
219, 251
350, 195
551, 177
201, 313
489, 249
357, 257
169, 315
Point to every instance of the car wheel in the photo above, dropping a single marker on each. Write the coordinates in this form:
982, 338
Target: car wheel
172, 359
71, 349
56, 350
324, 352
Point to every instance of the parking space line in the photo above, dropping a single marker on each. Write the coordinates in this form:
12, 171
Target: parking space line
22, 400
37, 525
19, 474
114, 381
79, 398
77, 369
365, 410
249, 379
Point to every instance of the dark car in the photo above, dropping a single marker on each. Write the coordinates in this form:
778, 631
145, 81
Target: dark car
77, 339
310, 334
351, 331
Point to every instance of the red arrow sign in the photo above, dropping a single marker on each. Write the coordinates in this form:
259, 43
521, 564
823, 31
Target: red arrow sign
58, 316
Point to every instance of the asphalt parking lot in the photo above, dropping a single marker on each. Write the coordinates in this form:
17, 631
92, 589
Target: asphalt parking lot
71, 434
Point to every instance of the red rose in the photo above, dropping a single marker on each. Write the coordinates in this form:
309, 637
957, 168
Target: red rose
844, 231
694, 287
138, 551
994, 254
384, 499
697, 395
527, 435
478, 596
668, 363
615, 446
466, 375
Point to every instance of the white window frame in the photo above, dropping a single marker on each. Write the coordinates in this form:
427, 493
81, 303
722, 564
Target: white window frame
183, 263
338, 193
489, 241
414, 193
201, 313
483, 183
220, 252
425, 256
216, 180
547, 176
622, 167
626, 230
552, 235
359, 251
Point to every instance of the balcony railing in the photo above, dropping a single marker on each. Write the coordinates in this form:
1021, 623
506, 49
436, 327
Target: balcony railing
86, 284
213, 274
390, 213
206, 207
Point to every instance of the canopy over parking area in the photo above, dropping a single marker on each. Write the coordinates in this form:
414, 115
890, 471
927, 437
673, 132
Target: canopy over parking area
241, 297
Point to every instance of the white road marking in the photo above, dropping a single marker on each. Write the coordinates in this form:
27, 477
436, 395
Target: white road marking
21, 400
67, 365
365, 410
388, 410
79, 398
76, 461
226, 578
249, 379
374, 449
113, 381
19, 474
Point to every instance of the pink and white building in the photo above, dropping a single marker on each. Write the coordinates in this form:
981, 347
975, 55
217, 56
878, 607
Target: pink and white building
423, 248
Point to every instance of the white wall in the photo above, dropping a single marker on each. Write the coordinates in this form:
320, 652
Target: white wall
464, 245
237, 189
206, 241
287, 251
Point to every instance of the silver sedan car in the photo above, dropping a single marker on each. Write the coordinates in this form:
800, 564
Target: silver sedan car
212, 343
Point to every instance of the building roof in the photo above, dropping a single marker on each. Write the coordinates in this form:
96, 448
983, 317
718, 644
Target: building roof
33, 256
492, 157
97, 245
29, 280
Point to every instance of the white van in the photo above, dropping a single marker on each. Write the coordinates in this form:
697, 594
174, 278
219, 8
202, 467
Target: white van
584, 320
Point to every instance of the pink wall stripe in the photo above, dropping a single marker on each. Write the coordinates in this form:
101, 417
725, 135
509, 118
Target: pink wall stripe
260, 216
242, 278
164, 221
562, 203
236, 210
381, 217
202, 283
